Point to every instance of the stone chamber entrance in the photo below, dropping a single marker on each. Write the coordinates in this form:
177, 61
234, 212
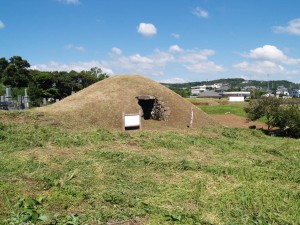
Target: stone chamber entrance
153, 108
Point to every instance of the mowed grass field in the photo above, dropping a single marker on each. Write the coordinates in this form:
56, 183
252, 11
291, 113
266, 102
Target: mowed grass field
212, 175
222, 106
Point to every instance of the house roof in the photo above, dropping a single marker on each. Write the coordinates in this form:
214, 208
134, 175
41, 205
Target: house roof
209, 94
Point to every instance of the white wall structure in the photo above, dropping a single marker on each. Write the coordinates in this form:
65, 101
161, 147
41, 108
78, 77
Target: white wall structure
236, 99
197, 89
237, 93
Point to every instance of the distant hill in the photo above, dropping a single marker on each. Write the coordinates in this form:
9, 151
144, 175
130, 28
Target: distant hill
237, 83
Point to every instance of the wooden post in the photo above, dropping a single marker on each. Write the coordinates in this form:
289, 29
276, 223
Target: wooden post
192, 118
140, 112
123, 118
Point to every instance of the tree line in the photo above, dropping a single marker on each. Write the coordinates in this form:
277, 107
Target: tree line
239, 83
16, 73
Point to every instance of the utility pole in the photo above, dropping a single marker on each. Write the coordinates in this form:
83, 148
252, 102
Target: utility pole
268, 82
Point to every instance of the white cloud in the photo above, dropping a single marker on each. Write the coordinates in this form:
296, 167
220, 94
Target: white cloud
197, 61
116, 51
194, 56
2, 25
293, 27
137, 58
174, 80
260, 67
139, 65
201, 13
205, 67
175, 48
162, 58
268, 60
267, 52
76, 48
147, 29
174, 35
77, 66
272, 54
75, 2
155, 64
152, 64
193, 60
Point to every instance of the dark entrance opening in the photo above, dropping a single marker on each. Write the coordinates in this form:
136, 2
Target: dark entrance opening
147, 107
153, 108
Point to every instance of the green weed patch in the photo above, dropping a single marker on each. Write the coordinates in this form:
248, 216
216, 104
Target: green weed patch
233, 108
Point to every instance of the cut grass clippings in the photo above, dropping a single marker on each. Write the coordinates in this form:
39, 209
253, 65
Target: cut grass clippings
215, 175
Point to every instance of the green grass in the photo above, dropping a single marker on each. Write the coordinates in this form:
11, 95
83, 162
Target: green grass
219, 106
215, 175
233, 108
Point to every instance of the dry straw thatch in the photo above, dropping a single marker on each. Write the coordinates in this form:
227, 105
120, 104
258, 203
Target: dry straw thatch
100, 105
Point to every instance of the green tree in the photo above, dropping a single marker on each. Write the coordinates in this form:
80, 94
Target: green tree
256, 93
41, 86
98, 73
288, 119
264, 107
3, 65
185, 93
64, 84
16, 73
86, 78
279, 113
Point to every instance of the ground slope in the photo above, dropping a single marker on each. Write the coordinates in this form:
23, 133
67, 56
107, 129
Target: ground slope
101, 105
231, 120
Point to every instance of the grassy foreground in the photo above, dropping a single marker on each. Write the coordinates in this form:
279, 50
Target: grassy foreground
215, 175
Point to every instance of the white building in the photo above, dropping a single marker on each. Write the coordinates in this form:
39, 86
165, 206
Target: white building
295, 93
201, 88
281, 90
197, 89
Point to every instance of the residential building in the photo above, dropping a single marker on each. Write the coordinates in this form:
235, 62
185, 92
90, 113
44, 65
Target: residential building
196, 90
281, 90
249, 88
236, 93
295, 93
209, 94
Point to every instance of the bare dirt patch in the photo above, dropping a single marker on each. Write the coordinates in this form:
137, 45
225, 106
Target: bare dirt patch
232, 120
136, 221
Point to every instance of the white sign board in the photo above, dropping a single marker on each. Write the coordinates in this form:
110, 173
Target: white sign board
236, 99
132, 120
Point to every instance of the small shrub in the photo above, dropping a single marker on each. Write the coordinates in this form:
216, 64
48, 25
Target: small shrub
28, 211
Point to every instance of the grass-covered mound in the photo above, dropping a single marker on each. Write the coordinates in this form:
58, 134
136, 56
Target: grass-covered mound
215, 175
101, 105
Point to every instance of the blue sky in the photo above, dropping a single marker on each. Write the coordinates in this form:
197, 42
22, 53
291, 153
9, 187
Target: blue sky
165, 40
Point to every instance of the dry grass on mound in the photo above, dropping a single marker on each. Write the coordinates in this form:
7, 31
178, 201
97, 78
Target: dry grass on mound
101, 105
